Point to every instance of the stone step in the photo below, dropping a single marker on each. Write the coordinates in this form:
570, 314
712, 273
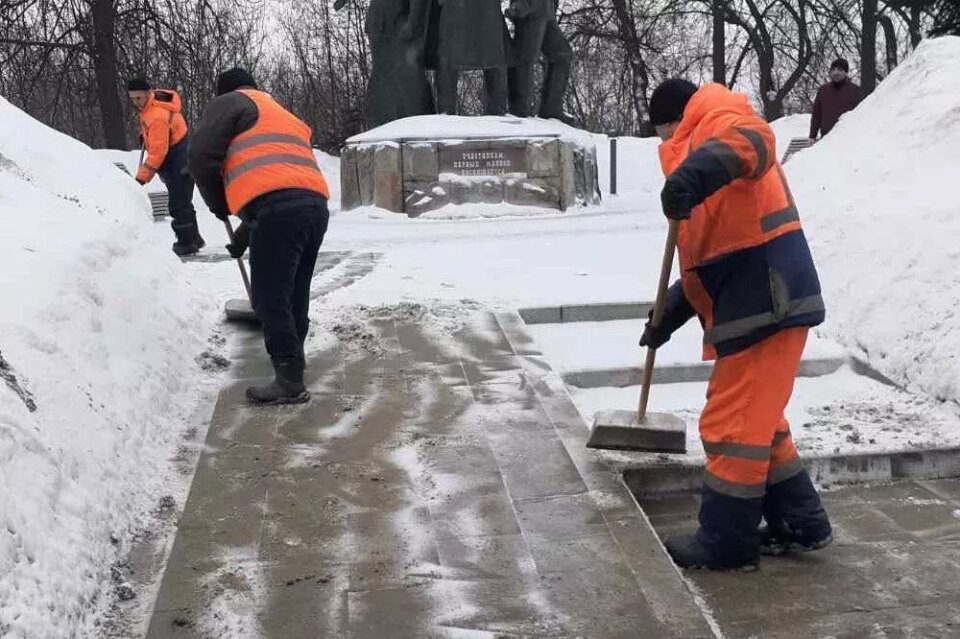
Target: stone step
607, 353
597, 312
159, 203
677, 373
653, 480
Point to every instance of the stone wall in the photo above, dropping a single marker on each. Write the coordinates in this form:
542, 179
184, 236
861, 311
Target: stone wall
417, 176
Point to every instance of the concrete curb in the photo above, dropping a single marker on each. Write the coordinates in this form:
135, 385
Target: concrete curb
679, 374
600, 312
663, 480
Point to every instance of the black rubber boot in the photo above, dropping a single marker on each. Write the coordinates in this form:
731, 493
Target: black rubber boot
795, 517
778, 540
189, 241
286, 388
688, 552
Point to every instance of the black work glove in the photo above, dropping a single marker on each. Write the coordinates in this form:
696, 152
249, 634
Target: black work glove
139, 181
223, 216
654, 336
676, 312
676, 199
240, 243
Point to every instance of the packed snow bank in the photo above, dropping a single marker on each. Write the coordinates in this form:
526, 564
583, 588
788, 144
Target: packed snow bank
879, 200
100, 331
458, 127
329, 164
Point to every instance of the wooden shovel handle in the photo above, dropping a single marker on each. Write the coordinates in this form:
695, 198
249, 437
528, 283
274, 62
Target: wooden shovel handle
669, 251
243, 269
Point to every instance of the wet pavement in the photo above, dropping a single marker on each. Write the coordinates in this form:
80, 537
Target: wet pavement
892, 571
432, 488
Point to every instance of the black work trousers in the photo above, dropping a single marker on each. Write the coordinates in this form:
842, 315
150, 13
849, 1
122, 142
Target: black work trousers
286, 231
173, 173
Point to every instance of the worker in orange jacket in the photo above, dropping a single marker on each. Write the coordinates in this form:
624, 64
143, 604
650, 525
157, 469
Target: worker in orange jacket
747, 273
163, 136
252, 159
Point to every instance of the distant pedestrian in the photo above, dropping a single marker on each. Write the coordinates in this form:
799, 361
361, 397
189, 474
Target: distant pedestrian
164, 138
834, 98
252, 158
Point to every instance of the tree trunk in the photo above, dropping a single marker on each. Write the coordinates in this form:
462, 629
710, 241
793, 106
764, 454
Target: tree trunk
103, 17
640, 80
868, 47
719, 42
772, 106
890, 42
916, 35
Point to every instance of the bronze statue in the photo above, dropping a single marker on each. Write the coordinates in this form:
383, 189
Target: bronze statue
468, 35
536, 32
449, 36
398, 86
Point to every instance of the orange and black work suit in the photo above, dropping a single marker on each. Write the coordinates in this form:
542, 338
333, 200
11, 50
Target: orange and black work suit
252, 158
748, 274
163, 133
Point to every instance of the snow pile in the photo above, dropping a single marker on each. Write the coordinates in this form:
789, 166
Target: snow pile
329, 164
878, 196
99, 334
458, 127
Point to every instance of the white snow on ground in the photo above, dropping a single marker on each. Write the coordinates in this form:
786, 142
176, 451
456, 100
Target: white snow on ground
879, 200
104, 308
458, 127
838, 413
102, 328
588, 345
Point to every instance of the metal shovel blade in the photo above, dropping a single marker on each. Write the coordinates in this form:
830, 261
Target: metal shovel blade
620, 430
239, 310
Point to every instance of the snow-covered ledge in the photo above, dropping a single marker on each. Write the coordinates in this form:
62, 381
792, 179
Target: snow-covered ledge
421, 164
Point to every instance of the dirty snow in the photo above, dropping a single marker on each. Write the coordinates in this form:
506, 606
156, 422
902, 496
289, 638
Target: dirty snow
235, 593
838, 413
101, 329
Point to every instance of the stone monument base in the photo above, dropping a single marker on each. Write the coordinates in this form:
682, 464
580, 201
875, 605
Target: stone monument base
421, 164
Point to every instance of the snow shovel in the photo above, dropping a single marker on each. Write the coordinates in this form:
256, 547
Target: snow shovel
639, 430
240, 310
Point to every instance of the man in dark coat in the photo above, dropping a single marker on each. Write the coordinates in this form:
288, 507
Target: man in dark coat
834, 99
537, 32
466, 35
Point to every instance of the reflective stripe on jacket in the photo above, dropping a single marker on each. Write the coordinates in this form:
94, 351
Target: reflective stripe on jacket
272, 155
746, 267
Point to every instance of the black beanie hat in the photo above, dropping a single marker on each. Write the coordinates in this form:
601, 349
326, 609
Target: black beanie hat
138, 84
234, 79
669, 100
841, 64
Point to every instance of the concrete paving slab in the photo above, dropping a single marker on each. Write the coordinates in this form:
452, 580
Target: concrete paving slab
890, 573
419, 496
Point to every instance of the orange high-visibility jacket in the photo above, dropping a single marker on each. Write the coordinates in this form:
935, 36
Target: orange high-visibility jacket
746, 267
161, 126
274, 154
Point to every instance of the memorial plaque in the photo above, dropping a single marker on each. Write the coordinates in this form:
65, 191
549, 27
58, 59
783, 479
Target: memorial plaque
463, 160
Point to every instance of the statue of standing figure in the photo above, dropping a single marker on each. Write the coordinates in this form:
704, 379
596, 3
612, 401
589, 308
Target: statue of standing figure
398, 88
407, 37
469, 35
536, 33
